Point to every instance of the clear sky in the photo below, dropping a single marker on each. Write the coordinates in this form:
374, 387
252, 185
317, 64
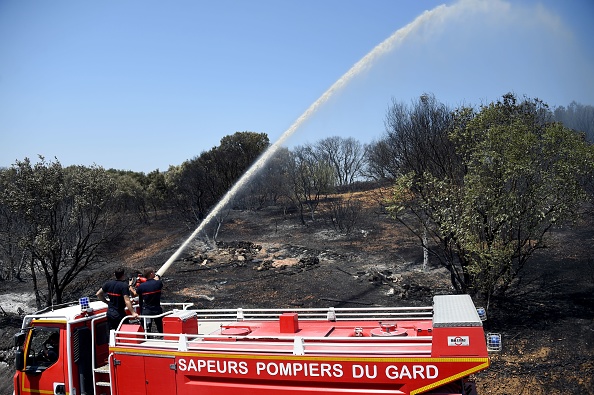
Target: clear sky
144, 84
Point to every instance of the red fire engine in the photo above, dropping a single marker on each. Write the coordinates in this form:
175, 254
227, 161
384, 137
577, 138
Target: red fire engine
397, 350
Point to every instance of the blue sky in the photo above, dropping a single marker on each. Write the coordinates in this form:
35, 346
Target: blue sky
142, 85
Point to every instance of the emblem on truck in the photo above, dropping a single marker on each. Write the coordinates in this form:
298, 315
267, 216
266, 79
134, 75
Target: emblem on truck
458, 341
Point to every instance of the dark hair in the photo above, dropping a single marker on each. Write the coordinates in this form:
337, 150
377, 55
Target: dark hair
119, 272
148, 271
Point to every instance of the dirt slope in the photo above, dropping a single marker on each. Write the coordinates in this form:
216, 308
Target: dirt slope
266, 259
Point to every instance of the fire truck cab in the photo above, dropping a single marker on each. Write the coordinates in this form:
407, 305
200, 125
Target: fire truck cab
57, 349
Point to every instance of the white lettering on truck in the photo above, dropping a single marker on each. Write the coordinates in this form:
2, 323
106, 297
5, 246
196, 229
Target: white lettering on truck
308, 369
417, 372
311, 369
213, 366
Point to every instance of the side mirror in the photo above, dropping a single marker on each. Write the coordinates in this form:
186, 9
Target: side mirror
19, 355
19, 359
19, 339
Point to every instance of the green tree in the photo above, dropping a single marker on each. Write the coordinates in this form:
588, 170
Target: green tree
133, 194
519, 176
236, 153
141, 193
13, 257
199, 183
190, 189
69, 214
156, 191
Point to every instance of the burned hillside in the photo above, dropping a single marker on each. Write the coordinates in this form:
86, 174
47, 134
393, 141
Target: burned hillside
267, 259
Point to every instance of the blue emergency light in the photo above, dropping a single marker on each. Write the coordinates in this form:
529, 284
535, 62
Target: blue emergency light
482, 313
84, 303
494, 342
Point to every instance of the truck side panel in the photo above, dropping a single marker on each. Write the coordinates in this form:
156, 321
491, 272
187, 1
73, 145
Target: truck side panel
144, 375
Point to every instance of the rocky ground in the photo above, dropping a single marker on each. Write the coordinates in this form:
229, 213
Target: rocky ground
265, 259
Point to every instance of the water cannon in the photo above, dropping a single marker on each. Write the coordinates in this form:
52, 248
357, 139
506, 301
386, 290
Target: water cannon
139, 280
135, 280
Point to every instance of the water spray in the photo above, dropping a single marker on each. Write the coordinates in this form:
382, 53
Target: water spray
384, 47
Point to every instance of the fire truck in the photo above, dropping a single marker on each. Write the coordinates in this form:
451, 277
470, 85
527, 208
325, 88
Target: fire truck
376, 350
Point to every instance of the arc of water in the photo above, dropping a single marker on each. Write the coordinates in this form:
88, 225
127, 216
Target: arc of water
382, 48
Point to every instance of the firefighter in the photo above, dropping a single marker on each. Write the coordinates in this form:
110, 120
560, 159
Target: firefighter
50, 348
149, 298
118, 291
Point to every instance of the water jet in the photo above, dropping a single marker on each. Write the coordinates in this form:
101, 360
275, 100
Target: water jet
386, 46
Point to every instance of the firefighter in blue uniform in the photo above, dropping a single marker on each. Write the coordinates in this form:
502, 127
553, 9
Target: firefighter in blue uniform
118, 291
149, 298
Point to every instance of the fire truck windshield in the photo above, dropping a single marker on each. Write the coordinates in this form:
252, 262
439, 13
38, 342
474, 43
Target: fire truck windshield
44, 347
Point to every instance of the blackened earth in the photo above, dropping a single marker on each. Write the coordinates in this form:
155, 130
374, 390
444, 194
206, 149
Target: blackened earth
268, 259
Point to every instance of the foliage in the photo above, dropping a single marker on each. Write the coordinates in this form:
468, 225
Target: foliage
13, 255
578, 117
415, 140
187, 186
271, 185
67, 215
519, 176
198, 184
480, 189
140, 194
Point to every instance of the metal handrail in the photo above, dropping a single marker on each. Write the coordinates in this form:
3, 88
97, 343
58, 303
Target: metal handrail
338, 314
275, 344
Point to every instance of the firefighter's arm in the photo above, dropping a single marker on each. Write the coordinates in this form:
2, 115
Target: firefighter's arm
101, 296
130, 307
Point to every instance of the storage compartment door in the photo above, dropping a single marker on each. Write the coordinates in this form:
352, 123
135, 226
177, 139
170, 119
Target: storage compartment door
160, 376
